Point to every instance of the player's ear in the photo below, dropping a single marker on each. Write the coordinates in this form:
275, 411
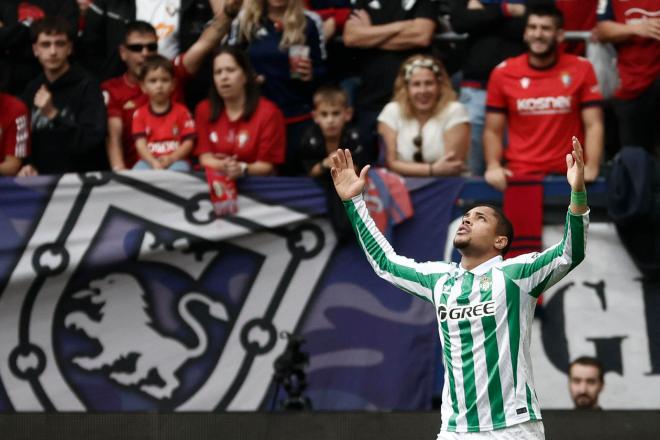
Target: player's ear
500, 242
560, 35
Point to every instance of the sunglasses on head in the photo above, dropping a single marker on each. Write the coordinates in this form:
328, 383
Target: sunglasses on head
151, 47
417, 142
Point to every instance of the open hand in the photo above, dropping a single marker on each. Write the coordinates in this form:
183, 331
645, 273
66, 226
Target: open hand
575, 167
347, 183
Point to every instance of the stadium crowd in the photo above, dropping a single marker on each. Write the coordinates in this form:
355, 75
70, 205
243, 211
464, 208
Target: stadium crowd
263, 87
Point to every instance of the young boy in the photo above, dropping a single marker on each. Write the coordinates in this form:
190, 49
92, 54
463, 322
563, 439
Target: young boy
164, 130
331, 115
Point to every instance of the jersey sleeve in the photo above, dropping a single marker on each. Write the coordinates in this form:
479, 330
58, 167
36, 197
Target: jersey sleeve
202, 123
139, 128
456, 114
272, 138
15, 136
495, 98
415, 278
391, 116
536, 272
589, 91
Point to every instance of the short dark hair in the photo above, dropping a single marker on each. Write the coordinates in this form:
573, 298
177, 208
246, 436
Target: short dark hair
504, 225
545, 9
155, 62
252, 92
51, 26
330, 94
138, 27
590, 362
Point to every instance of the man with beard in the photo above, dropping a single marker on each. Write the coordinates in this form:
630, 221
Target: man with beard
585, 382
541, 96
485, 305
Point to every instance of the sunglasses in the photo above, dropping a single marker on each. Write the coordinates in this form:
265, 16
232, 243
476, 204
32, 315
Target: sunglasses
151, 47
417, 142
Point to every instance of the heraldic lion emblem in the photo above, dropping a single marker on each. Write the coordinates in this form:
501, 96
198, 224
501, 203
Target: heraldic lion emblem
125, 329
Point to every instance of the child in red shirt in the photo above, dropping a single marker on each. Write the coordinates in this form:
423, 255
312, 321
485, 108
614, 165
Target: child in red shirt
164, 130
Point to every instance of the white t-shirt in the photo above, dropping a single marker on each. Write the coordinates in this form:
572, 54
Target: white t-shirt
164, 16
433, 145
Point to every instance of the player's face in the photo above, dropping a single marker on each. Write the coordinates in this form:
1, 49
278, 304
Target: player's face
332, 118
228, 77
52, 51
423, 90
542, 35
584, 385
478, 232
136, 49
158, 84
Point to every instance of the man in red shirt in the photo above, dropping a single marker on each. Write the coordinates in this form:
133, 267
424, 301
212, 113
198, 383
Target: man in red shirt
543, 97
14, 134
123, 94
634, 27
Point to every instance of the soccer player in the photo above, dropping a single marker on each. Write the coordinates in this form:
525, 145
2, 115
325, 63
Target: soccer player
485, 304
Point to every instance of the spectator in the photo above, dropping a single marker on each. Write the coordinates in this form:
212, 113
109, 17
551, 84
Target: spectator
16, 55
240, 133
123, 93
68, 115
541, 96
178, 28
286, 48
164, 130
579, 15
14, 134
634, 27
585, 382
388, 32
332, 114
425, 130
494, 33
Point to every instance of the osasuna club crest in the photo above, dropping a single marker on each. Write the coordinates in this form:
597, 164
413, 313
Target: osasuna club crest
141, 295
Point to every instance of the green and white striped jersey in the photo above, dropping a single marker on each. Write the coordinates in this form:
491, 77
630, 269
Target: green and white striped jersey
484, 317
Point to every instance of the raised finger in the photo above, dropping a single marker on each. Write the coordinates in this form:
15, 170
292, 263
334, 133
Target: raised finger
577, 149
349, 159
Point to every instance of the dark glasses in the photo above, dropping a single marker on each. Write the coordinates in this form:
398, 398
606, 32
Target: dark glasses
417, 142
151, 47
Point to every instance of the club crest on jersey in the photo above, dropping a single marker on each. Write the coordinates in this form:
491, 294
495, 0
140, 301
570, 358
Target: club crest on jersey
566, 79
485, 283
461, 313
524, 82
175, 130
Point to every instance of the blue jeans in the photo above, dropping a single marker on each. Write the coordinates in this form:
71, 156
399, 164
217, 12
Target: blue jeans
474, 101
179, 165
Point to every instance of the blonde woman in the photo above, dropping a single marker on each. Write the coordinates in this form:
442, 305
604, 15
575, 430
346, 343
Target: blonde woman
425, 130
286, 49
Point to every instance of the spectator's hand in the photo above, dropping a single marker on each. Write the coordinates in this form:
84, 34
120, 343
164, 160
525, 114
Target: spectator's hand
448, 165
166, 161
304, 68
43, 100
496, 177
474, 4
232, 7
591, 172
27, 171
649, 28
329, 28
233, 168
515, 9
361, 17
156, 164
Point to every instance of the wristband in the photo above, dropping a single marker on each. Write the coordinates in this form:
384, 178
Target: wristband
578, 198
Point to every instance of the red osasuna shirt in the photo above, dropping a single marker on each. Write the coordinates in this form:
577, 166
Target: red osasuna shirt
261, 138
14, 128
638, 58
164, 132
543, 109
122, 97
579, 15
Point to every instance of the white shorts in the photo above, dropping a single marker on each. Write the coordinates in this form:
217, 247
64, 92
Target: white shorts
532, 430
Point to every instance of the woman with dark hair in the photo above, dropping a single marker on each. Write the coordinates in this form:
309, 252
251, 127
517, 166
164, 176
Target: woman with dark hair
239, 132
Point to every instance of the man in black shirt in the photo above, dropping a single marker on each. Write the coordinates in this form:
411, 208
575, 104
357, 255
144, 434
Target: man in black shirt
388, 32
68, 115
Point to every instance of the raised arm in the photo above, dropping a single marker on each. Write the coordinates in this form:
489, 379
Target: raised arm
415, 278
536, 272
